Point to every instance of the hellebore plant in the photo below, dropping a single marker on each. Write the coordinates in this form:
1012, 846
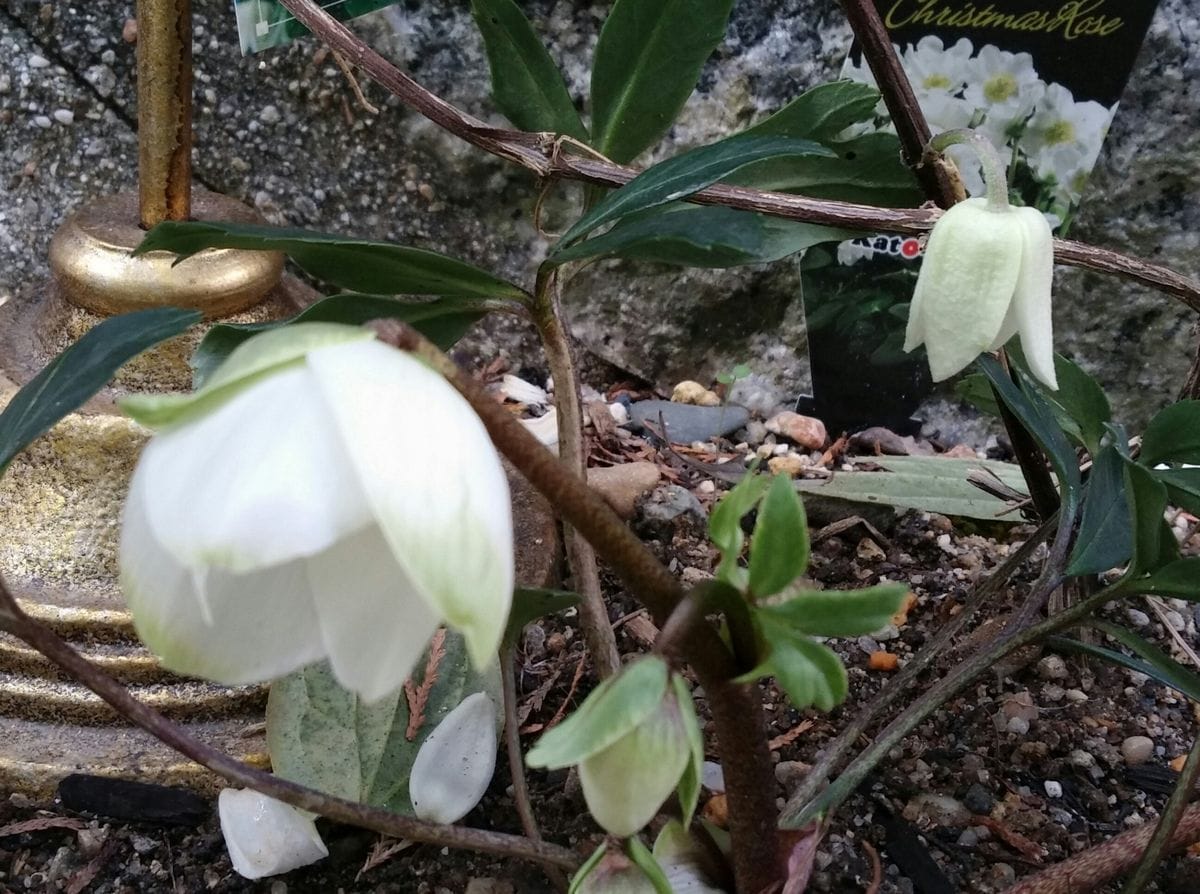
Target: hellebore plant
986, 276
290, 511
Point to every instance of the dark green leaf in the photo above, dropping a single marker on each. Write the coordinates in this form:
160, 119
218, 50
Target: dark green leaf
1105, 539
324, 736
1173, 435
1183, 488
1150, 661
822, 112
863, 169
526, 84
810, 673
1153, 543
682, 175
779, 551
1179, 579
443, 321
646, 65
356, 265
839, 612
81, 370
530, 603
701, 236
1033, 411
1081, 399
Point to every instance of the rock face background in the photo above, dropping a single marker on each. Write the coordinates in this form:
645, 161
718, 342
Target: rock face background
283, 132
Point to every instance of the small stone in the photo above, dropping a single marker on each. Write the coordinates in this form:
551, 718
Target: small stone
1017, 725
102, 78
270, 115
868, 550
790, 774
42, 121
689, 392
791, 465
887, 632
1078, 696
712, 777
129, 31
670, 502
143, 844
516, 389
1053, 788
1137, 750
961, 451
806, 431
1081, 758
928, 809
756, 432
622, 485
979, 800
686, 423
968, 838
1137, 617
883, 661
279, 887
1051, 667
64, 116
36, 61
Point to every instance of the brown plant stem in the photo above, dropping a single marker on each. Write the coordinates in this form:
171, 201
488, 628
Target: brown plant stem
736, 708
516, 763
1168, 823
15, 622
556, 341
912, 670
542, 154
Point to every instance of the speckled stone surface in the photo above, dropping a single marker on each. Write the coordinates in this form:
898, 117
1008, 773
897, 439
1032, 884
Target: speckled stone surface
282, 131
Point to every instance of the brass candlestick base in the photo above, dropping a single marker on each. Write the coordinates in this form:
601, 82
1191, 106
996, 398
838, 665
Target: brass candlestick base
90, 258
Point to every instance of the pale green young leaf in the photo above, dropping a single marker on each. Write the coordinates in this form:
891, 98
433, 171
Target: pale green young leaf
779, 550
643, 858
838, 612
526, 84
612, 709
647, 61
585, 870
811, 674
689, 783
725, 523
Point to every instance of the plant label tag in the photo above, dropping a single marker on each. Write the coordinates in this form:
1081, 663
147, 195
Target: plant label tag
267, 23
1041, 80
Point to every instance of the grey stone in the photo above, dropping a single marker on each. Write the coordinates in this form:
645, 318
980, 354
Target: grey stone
671, 502
686, 423
979, 800
1137, 750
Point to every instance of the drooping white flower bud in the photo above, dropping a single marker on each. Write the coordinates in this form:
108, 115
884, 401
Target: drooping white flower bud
291, 510
266, 837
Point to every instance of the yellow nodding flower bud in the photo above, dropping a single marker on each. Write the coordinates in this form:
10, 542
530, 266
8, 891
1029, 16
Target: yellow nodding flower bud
986, 276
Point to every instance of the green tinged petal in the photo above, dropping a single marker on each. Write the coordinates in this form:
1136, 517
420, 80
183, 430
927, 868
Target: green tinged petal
1031, 302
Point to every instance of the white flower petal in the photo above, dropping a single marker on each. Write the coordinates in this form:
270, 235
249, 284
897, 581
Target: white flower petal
258, 481
252, 628
434, 481
373, 622
266, 837
1032, 298
456, 761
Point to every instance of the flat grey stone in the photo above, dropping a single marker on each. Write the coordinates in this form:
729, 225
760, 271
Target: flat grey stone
686, 423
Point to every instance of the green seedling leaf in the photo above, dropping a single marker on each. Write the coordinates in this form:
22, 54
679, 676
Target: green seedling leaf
1153, 543
1179, 579
646, 65
644, 860
779, 551
324, 736
1173, 435
810, 673
709, 236
443, 321
1029, 404
531, 603
585, 870
822, 112
612, 709
689, 783
1183, 488
356, 265
926, 483
1105, 539
683, 175
1149, 661
838, 612
526, 84
725, 525
864, 169
81, 370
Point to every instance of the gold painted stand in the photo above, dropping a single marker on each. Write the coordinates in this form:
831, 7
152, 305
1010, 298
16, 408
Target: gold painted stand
60, 502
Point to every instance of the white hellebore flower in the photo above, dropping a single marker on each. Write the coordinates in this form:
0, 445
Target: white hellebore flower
985, 277
456, 761
266, 837
322, 496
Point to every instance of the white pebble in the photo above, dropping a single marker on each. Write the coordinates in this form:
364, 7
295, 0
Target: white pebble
42, 121
64, 116
1053, 788
36, 61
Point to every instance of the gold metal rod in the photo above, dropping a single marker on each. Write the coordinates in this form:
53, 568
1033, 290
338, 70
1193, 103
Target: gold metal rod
164, 88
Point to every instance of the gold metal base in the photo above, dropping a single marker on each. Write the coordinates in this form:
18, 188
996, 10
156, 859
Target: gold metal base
90, 258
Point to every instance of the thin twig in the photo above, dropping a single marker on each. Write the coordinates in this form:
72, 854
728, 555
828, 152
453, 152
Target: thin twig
1168, 823
876, 869
516, 766
912, 670
736, 709
348, 73
537, 153
15, 622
